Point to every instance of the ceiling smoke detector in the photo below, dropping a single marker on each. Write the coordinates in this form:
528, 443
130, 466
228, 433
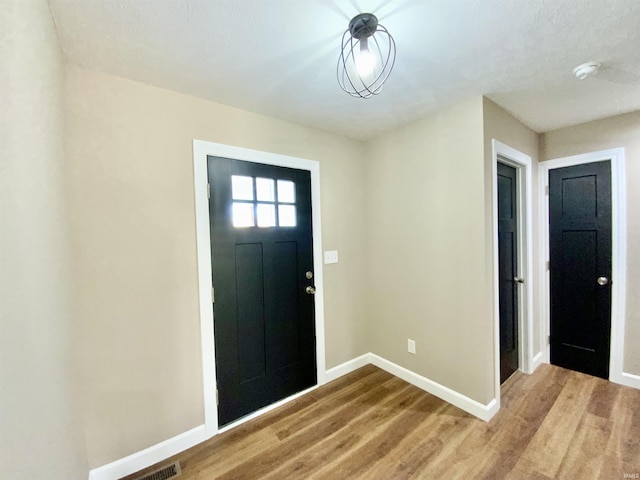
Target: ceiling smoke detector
585, 70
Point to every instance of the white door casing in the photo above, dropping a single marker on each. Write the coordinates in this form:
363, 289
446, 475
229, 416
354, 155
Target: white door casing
202, 149
618, 258
528, 360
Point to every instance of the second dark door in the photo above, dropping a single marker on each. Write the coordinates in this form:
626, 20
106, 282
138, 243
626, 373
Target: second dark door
262, 263
580, 267
508, 270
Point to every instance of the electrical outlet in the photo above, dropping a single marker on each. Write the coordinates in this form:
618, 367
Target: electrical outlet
411, 346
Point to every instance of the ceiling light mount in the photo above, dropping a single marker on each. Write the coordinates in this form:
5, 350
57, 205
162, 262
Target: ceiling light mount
585, 70
367, 56
363, 25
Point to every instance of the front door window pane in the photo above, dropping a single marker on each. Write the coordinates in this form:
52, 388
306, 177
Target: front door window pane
266, 215
241, 187
287, 215
243, 215
265, 190
286, 191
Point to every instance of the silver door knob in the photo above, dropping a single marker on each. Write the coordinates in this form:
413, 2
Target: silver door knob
310, 290
603, 280
518, 280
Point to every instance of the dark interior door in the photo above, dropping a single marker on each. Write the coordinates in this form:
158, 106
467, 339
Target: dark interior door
508, 270
580, 267
262, 263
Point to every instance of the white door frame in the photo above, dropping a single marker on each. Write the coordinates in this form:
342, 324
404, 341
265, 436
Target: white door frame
201, 149
618, 253
522, 163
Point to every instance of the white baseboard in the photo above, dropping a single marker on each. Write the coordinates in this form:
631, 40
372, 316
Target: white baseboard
627, 379
149, 456
168, 448
536, 362
347, 367
483, 412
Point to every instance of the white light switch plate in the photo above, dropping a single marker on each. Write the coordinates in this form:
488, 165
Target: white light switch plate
330, 256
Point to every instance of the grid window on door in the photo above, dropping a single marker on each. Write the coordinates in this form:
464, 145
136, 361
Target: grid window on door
263, 202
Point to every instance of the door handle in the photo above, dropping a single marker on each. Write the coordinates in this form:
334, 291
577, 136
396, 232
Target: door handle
310, 290
518, 280
603, 281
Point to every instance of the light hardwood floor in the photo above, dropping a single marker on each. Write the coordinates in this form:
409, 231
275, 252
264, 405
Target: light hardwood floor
370, 425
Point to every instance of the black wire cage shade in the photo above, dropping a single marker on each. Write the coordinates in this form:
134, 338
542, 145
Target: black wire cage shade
367, 57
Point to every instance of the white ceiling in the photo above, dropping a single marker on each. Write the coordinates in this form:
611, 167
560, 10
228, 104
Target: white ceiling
278, 57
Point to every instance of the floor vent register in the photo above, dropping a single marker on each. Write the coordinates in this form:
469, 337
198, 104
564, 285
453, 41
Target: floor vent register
164, 473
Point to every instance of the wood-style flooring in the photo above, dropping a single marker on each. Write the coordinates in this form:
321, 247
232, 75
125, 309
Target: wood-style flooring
554, 424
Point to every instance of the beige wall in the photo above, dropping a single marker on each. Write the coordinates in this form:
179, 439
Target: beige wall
410, 213
620, 131
133, 225
426, 228
501, 126
40, 430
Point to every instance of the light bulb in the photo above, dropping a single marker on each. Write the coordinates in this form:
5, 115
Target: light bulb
365, 61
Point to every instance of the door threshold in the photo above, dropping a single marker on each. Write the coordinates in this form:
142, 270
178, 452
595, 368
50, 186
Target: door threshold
510, 378
263, 410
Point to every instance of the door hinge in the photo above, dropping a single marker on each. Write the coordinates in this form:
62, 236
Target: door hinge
548, 265
217, 397
213, 295
546, 189
208, 190
548, 339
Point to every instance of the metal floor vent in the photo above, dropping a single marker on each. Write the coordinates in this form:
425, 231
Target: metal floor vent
164, 473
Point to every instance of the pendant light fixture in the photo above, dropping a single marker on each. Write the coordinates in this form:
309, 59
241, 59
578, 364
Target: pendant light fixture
367, 56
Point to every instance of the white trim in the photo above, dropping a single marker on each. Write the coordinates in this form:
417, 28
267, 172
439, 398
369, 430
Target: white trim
168, 448
523, 165
483, 412
201, 149
203, 249
149, 456
537, 360
628, 379
543, 253
618, 251
348, 367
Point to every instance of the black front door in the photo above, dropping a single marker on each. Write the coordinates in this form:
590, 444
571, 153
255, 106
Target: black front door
508, 270
262, 263
580, 267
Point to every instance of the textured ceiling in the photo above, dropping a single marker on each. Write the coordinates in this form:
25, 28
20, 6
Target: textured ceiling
278, 57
